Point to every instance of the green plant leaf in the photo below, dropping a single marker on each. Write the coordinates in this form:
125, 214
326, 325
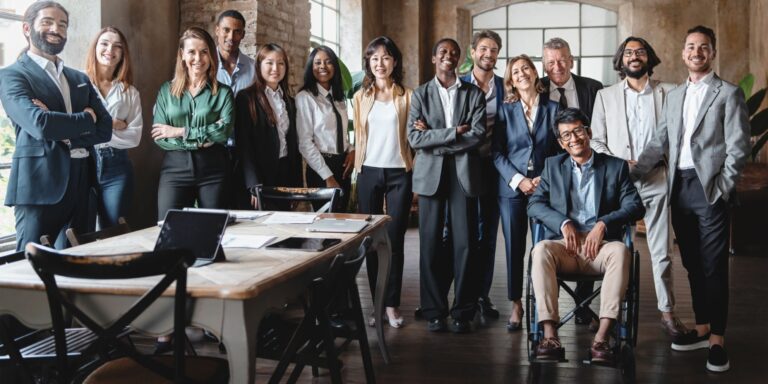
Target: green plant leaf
746, 84
357, 83
466, 66
753, 102
759, 123
758, 146
346, 77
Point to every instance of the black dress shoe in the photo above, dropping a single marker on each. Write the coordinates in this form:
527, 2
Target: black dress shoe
437, 325
418, 314
461, 326
337, 322
487, 309
513, 326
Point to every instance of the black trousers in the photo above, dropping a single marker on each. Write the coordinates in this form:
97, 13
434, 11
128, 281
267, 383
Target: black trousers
701, 229
336, 164
187, 176
488, 228
437, 267
514, 223
393, 185
34, 221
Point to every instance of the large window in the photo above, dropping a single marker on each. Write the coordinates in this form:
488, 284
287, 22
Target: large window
324, 29
524, 27
11, 43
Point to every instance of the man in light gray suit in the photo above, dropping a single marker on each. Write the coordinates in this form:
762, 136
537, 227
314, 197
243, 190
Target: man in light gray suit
623, 122
446, 125
705, 131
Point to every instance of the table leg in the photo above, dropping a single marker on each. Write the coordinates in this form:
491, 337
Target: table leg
383, 250
241, 324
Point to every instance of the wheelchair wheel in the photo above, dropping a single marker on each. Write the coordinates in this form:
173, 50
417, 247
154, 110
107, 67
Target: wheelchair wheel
530, 306
627, 363
635, 300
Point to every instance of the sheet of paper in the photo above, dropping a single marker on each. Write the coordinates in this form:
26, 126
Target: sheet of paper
290, 218
245, 241
248, 215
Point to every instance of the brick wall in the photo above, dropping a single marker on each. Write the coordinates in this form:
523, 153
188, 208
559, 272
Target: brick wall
285, 22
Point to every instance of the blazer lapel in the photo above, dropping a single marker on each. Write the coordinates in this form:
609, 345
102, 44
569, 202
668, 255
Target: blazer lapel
459, 103
566, 169
53, 99
712, 91
433, 98
520, 123
366, 104
621, 100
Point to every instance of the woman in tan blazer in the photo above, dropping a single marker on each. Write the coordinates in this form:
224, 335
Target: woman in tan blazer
383, 159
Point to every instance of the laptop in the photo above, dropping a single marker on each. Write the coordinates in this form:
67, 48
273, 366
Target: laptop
199, 231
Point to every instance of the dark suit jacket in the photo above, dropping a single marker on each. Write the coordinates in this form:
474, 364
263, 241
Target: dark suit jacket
433, 144
616, 198
258, 144
513, 145
586, 91
498, 83
41, 161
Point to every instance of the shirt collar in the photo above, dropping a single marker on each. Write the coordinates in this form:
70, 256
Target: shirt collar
586, 165
646, 89
569, 85
534, 105
238, 64
704, 80
452, 87
43, 62
491, 84
275, 94
323, 92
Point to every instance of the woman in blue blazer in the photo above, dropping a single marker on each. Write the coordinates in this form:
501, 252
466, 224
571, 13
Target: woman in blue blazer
522, 139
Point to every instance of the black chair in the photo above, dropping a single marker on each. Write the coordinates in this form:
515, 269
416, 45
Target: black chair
126, 365
85, 238
312, 341
322, 198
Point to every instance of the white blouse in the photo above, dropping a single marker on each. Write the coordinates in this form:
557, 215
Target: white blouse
383, 146
316, 128
275, 99
124, 106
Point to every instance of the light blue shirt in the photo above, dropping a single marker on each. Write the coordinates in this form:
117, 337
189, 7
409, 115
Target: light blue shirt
242, 76
582, 194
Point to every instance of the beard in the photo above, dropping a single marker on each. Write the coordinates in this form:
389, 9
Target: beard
40, 41
636, 74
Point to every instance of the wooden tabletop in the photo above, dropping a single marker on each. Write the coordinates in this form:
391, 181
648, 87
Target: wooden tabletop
245, 274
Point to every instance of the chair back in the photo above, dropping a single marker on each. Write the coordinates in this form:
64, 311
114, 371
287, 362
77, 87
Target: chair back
85, 238
172, 264
325, 196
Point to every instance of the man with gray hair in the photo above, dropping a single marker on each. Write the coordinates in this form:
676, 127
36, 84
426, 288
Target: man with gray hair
570, 91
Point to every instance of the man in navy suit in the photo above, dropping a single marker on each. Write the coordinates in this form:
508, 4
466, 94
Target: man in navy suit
584, 199
58, 118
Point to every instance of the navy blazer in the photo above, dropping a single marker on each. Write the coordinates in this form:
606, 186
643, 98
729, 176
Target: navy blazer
616, 197
586, 92
498, 83
41, 160
512, 145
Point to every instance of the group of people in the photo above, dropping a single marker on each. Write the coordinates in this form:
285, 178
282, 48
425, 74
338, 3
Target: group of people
477, 150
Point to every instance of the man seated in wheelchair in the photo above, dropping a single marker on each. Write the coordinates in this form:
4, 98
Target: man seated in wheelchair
584, 200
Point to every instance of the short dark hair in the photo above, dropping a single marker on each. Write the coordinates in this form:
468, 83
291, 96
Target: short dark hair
485, 34
392, 50
618, 58
444, 40
310, 83
231, 13
704, 31
568, 116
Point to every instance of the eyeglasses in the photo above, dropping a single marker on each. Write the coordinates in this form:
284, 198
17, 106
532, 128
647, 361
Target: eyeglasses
578, 131
638, 52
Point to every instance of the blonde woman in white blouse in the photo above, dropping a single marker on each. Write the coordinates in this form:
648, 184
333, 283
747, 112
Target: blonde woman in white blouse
108, 65
383, 157
321, 124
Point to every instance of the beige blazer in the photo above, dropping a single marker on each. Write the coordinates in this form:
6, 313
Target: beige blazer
610, 131
361, 107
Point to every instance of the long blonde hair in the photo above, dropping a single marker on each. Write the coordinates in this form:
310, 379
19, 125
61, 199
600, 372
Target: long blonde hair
180, 80
123, 73
512, 93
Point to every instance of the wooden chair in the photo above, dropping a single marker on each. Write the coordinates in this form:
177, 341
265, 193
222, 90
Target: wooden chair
311, 342
85, 238
325, 198
127, 365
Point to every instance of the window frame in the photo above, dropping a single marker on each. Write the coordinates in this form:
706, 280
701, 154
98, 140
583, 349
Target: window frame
322, 39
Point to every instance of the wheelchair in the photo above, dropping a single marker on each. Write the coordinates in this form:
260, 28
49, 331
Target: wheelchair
624, 333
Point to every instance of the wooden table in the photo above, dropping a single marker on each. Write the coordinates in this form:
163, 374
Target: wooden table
228, 299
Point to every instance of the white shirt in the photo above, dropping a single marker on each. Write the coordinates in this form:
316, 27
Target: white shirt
641, 117
490, 101
316, 128
383, 147
275, 99
570, 93
448, 99
530, 118
124, 106
694, 96
55, 71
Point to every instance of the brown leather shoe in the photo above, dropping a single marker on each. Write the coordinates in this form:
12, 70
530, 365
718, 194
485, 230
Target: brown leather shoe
674, 328
601, 352
550, 349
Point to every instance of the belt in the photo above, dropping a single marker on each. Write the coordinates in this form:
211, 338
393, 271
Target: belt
331, 155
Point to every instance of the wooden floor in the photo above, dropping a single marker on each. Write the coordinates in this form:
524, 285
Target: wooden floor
491, 355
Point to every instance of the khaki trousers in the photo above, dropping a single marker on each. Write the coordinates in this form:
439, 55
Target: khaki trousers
550, 257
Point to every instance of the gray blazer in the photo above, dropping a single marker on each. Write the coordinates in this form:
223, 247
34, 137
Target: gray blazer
610, 131
720, 141
438, 141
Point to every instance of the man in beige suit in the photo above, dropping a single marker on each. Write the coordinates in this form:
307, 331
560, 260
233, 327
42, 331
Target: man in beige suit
623, 122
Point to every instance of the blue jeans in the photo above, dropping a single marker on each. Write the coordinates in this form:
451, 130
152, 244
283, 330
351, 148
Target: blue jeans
114, 189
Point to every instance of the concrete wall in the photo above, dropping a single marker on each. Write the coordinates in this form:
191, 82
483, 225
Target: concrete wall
82, 29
